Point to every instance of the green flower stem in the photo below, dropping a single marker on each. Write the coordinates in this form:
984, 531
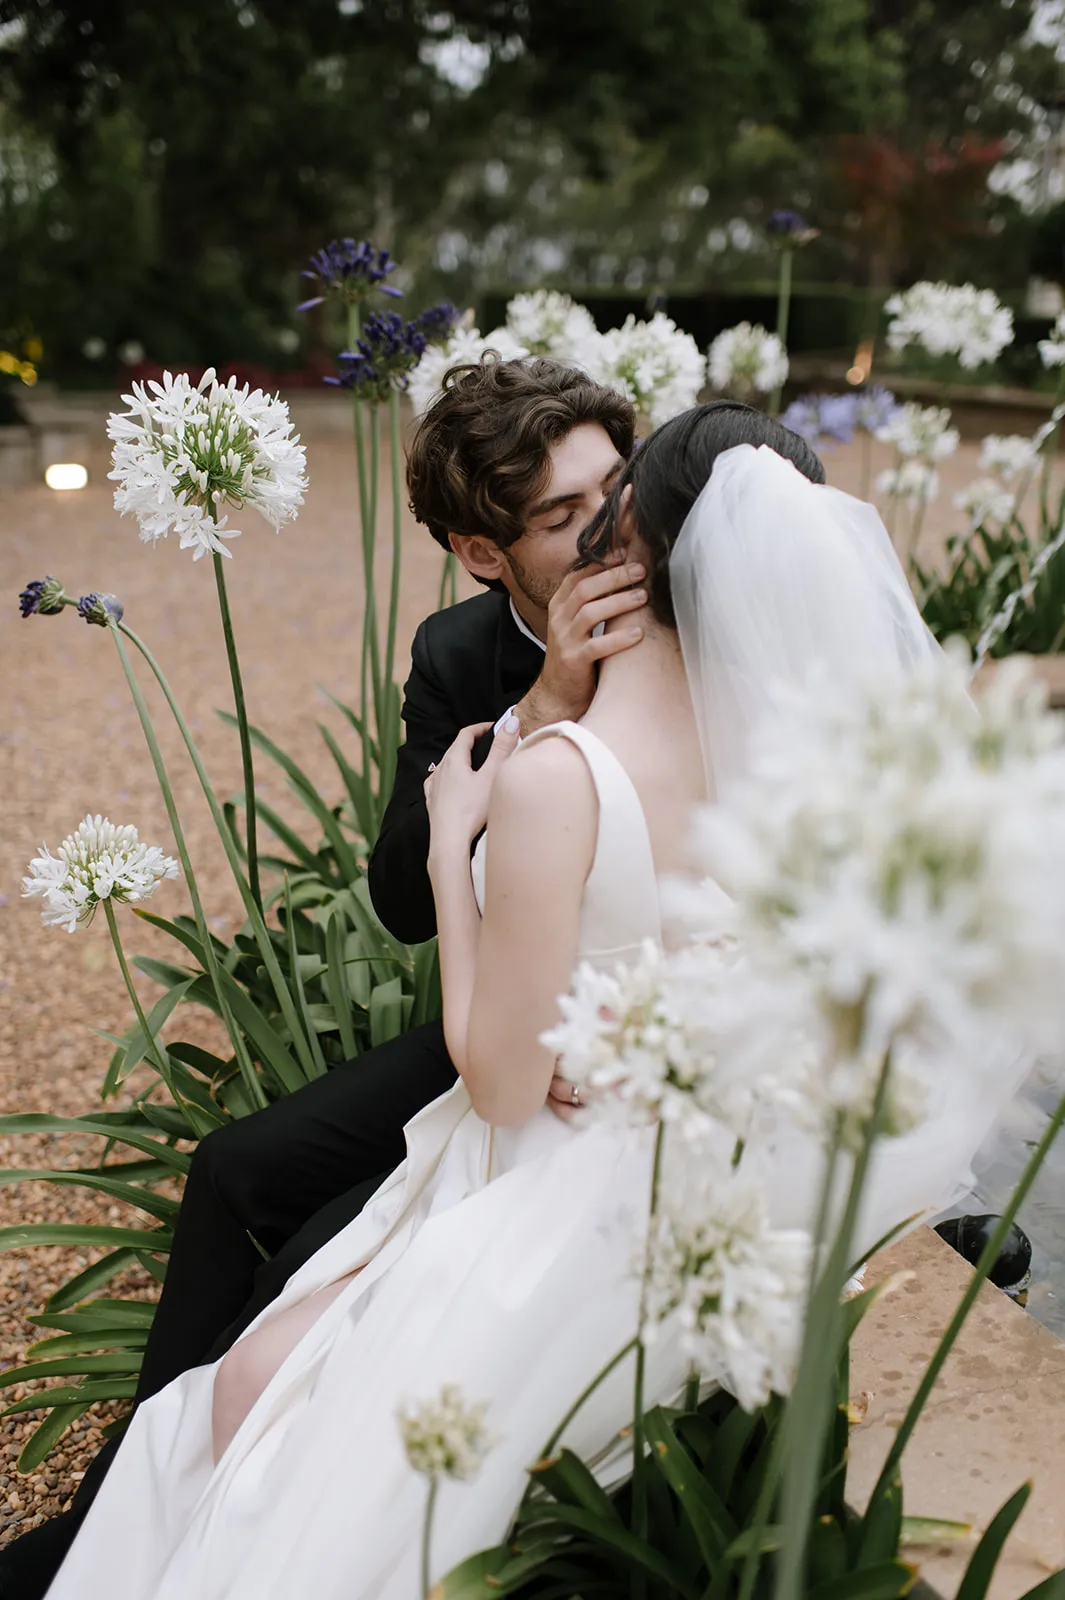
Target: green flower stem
388, 745
242, 727
770, 1482
448, 582
236, 1038
427, 1535
586, 1393
370, 554
812, 1401
367, 520
154, 1044
258, 926
639, 1464
983, 1267
783, 317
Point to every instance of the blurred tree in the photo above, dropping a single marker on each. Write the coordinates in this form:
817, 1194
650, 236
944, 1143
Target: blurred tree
186, 159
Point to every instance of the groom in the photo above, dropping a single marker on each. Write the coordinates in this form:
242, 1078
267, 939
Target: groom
506, 469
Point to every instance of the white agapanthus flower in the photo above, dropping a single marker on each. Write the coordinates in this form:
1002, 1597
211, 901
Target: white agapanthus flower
735, 1285
914, 482
906, 852
653, 364
547, 323
1052, 350
985, 500
99, 861
945, 319
747, 359
619, 1035
445, 1437
923, 432
186, 452
1008, 454
464, 345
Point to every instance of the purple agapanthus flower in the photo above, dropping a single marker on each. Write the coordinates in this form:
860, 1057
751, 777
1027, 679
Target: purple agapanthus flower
97, 608
822, 419
439, 322
383, 358
43, 597
874, 408
785, 222
350, 269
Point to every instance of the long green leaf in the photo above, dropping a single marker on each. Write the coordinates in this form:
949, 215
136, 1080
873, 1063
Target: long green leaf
312, 860
71, 1366
710, 1522
93, 1277
73, 1344
48, 1435
984, 1559
569, 1480
139, 1045
156, 1205
308, 794
101, 1123
386, 1011
297, 979
624, 1545
360, 789
118, 1389
266, 1041
888, 1581
77, 1234
882, 1525
336, 984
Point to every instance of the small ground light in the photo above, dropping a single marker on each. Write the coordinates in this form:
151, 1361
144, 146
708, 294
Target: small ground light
66, 475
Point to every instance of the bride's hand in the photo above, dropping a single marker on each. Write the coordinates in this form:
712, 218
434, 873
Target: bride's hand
456, 796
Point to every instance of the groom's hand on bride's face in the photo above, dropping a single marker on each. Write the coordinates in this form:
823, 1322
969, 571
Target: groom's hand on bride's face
565, 687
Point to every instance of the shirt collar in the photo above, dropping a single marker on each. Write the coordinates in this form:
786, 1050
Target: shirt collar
523, 627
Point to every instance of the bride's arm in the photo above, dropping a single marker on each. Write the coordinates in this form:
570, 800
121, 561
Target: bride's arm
501, 978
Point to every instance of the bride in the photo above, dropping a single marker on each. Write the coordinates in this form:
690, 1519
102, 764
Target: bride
498, 1256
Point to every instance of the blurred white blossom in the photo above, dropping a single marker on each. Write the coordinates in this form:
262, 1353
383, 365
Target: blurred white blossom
547, 323
913, 482
985, 500
653, 364
1052, 350
1008, 454
98, 861
950, 320
465, 345
747, 359
185, 452
446, 1437
923, 432
736, 1285
905, 851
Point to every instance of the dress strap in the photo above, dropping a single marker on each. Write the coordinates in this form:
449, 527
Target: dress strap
621, 894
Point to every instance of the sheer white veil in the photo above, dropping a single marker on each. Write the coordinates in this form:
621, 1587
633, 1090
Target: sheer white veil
775, 581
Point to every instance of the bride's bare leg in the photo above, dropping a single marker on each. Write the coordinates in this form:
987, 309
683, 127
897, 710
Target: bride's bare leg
247, 1369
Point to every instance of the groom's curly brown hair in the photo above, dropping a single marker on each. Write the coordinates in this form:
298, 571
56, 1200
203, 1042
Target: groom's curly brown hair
480, 455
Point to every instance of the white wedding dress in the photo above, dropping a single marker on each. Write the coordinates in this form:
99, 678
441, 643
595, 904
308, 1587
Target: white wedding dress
496, 1259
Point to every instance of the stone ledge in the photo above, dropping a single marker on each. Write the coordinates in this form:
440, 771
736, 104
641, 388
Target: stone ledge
995, 1419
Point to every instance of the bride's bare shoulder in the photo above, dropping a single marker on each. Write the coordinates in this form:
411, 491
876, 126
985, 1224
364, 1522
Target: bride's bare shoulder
546, 785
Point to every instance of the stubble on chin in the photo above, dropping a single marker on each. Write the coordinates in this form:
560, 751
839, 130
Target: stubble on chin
537, 589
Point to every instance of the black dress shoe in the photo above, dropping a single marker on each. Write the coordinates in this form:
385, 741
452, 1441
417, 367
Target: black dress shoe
969, 1235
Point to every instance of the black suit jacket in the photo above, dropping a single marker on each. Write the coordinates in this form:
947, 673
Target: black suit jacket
468, 664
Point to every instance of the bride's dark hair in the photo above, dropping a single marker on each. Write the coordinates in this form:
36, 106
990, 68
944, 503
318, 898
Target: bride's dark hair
668, 472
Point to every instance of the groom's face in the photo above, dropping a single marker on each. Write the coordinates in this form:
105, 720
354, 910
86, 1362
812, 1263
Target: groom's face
581, 471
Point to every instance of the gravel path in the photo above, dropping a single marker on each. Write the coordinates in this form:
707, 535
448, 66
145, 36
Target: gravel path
70, 743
